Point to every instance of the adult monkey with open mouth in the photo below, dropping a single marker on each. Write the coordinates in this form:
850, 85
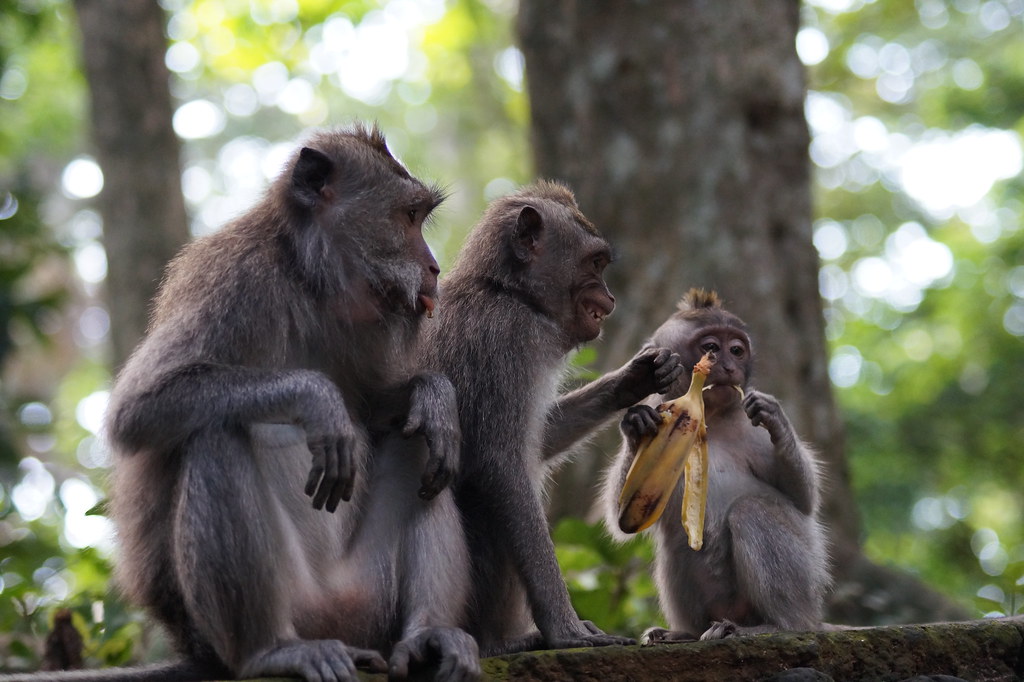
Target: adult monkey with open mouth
526, 289
280, 361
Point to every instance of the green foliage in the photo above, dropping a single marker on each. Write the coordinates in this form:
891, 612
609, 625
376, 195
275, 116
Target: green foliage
609, 582
933, 421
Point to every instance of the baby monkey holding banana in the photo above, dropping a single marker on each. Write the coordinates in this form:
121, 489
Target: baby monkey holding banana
753, 559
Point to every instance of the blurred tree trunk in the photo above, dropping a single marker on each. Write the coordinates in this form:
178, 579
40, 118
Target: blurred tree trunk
681, 128
144, 221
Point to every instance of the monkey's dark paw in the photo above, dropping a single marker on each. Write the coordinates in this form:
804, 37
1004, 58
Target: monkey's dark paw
320, 660
454, 652
655, 636
639, 421
433, 414
764, 410
332, 475
652, 370
652, 636
720, 629
668, 367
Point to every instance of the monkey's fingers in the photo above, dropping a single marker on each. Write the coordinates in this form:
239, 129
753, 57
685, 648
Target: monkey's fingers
368, 659
327, 660
667, 368
437, 475
325, 488
639, 422
342, 488
457, 651
349, 452
759, 410
316, 471
591, 641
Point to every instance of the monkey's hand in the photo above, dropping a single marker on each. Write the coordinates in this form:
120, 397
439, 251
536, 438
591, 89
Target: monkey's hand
652, 370
584, 633
764, 410
455, 651
434, 414
336, 446
638, 422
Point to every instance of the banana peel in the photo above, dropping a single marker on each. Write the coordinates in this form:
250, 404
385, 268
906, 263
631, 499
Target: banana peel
679, 446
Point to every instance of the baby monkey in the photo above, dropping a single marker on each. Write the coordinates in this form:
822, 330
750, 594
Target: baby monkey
763, 566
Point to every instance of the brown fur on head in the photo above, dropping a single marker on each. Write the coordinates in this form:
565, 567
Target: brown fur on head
706, 305
556, 191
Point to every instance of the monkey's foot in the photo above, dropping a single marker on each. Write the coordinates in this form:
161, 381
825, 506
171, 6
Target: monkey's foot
455, 652
590, 636
720, 629
654, 636
314, 659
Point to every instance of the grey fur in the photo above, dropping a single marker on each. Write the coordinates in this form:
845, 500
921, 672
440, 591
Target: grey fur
764, 563
280, 358
527, 288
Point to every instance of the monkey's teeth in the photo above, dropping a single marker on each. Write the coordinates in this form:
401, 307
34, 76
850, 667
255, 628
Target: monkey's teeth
739, 389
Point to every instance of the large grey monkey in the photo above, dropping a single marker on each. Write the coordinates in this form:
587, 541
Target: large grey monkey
279, 364
527, 288
764, 565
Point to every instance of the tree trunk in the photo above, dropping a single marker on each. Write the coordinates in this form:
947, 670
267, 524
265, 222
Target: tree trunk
144, 221
681, 128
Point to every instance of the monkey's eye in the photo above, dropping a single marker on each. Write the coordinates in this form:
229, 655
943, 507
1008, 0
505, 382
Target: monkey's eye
738, 351
709, 347
412, 215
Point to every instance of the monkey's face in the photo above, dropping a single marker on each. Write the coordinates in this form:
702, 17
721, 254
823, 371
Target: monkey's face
591, 300
731, 347
359, 218
412, 284
388, 248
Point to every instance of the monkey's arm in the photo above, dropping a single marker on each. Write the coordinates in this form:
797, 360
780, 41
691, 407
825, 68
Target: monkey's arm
160, 410
434, 414
792, 469
575, 414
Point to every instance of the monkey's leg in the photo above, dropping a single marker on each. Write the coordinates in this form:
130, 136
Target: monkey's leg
424, 543
236, 565
779, 567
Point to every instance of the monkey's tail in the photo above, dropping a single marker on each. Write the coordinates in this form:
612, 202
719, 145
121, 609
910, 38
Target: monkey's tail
171, 671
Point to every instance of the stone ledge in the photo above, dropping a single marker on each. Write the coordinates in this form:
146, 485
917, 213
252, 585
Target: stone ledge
983, 650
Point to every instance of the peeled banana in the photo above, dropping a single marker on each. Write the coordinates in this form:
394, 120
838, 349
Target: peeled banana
679, 445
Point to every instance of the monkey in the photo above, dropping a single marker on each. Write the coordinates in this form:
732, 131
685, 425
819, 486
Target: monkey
281, 463
526, 289
764, 565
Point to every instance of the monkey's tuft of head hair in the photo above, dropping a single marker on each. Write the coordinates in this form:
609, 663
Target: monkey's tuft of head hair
706, 305
699, 298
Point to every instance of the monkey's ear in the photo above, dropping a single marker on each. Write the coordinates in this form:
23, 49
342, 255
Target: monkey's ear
526, 235
310, 176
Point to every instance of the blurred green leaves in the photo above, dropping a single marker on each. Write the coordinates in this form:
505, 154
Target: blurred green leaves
609, 582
